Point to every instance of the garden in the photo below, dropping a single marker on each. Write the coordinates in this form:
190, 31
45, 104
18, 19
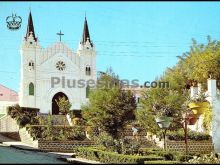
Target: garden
165, 113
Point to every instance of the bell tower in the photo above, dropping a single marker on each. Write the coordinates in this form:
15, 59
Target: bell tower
29, 50
87, 53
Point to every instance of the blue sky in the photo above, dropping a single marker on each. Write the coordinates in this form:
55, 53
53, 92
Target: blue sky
138, 39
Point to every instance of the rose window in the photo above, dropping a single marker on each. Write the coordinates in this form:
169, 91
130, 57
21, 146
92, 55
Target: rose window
60, 65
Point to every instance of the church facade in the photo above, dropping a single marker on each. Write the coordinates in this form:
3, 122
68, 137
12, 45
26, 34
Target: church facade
44, 69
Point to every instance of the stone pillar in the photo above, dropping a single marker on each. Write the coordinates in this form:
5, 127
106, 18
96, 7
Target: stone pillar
199, 88
215, 103
194, 91
212, 89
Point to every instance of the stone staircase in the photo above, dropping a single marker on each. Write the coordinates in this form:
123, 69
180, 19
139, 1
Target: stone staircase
27, 138
9, 129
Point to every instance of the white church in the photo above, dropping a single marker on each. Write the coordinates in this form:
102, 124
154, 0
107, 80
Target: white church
40, 65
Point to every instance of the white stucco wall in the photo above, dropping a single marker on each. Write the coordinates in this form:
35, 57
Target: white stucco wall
4, 105
45, 61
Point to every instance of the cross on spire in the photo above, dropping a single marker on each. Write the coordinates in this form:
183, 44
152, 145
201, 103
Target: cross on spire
60, 34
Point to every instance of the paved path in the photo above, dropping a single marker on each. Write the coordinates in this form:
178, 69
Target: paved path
13, 155
12, 151
82, 161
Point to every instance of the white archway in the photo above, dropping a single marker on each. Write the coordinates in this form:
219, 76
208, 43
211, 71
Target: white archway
53, 92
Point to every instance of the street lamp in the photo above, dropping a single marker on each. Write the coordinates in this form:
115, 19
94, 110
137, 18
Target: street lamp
164, 124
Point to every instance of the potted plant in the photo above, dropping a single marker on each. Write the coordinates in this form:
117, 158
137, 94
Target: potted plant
199, 104
192, 119
76, 120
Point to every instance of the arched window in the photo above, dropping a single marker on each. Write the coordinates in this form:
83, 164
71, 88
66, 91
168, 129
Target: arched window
87, 91
31, 65
88, 70
31, 89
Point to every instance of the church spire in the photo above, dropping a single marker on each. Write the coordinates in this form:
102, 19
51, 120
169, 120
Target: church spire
30, 28
86, 35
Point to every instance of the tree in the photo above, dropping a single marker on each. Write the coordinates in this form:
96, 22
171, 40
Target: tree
201, 62
110, 107
196, 65
159, 102
64, 105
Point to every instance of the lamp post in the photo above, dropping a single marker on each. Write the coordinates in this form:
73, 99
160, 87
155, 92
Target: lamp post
185, 131
164, 124
186, 120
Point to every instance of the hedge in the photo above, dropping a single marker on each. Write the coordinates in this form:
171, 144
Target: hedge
161, 162
113, 158
168, 155
192, 135
57, 132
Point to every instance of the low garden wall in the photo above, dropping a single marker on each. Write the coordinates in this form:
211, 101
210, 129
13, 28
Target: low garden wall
7, 124
9, 128
204, 146
62, 146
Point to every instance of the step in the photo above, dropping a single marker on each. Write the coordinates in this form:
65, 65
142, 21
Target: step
83, 161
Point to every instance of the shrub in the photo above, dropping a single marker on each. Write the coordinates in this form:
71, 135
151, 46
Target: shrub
23, 115
192, 135
104, 140
168, 155
161, 162
124, 146
56, 132
149, 151
205, 159
111, 157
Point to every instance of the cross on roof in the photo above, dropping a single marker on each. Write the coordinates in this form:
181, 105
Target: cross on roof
60, 34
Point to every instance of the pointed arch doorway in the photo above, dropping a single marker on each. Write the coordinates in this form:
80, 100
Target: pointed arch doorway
55, 107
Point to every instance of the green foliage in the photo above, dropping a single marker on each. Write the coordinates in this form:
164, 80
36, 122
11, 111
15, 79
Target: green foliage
104, 140
48, 133
147, 120
168, 155
111, 157
64, 105
57, 133
161, 162
205, 159
110, 108
23, 115
192, 135
199, 98
149, 151
197, 65
125, 146
159, 102
207, 120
